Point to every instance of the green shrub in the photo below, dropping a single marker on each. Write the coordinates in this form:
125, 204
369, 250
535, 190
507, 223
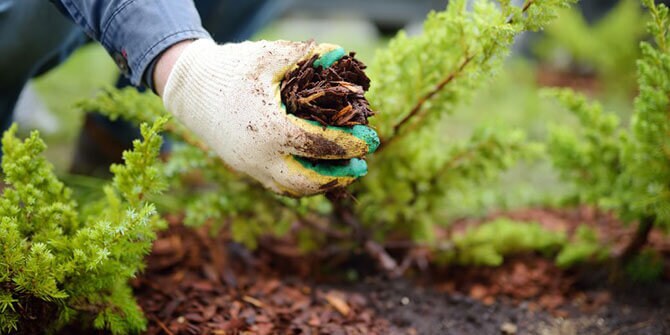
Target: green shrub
61, 261
489, 243
626, 170
77, 258
584, 246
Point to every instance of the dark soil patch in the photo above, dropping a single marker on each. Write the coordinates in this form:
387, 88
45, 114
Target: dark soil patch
412, 309
197, 284
32, 313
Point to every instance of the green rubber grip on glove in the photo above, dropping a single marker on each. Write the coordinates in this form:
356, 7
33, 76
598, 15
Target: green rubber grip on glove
355, 168
365, 133
327, 59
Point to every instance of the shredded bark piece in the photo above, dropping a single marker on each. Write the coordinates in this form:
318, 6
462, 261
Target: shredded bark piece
332, 96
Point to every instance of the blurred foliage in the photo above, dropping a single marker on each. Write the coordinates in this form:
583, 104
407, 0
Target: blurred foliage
83, 74
588, 156
63, 86
608, 47
584, 246
647, 266
488, 243
63, 261
624, 169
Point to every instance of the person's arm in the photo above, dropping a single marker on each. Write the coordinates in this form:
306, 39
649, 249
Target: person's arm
164, 64
227, 94
136, 32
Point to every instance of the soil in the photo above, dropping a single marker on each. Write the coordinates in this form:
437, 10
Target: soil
199, 284
32, 312
332, 96
586, 83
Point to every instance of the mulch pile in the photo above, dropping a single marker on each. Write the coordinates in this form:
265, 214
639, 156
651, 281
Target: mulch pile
197, 284
524, 278
536, 281
332, 96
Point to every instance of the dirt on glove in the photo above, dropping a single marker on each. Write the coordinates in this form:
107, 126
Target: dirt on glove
332, 96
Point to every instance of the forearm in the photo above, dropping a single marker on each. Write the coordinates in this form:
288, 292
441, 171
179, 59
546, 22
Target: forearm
136, 32
165, 63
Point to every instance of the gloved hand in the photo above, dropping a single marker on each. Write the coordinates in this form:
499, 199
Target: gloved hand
229, 96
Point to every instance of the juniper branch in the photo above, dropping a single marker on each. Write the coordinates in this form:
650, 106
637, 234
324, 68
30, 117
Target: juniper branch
416, 109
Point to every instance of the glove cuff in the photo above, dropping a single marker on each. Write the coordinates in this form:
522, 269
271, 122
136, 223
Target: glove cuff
188, 81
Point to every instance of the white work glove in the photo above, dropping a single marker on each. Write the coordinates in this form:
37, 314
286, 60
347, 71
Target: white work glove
229, 96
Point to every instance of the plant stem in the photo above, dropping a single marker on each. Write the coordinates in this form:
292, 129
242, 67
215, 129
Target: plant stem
639, 239
417, 107
344, 212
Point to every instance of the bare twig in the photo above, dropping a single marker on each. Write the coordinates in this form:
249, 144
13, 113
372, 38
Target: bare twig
639, 239
385, 261
163, 327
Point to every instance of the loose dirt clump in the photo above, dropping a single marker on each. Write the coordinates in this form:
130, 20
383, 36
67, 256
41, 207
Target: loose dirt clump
332, 96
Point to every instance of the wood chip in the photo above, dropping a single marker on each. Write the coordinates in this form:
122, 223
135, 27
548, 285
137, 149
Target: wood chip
332, 96
338, 303
253, 301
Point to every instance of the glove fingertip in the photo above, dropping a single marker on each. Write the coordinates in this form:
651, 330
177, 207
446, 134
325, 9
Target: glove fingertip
358, 167
368, 135
355, 167
365, 133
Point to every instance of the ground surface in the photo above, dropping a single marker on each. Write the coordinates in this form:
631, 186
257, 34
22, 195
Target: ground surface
201, 285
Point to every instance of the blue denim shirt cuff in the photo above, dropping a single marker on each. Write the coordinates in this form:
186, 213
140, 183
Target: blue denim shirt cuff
134, 32
138, 31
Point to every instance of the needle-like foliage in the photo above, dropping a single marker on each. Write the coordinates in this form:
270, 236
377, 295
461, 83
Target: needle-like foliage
625, 170
61, 261
416, 82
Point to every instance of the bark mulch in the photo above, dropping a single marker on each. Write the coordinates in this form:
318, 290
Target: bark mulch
198, 284
332, 96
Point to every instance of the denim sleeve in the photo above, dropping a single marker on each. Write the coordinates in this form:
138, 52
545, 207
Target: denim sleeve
134, 32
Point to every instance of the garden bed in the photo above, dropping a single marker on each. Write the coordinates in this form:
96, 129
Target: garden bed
198, 284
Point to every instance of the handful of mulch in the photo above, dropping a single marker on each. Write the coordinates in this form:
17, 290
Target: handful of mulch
332, 96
